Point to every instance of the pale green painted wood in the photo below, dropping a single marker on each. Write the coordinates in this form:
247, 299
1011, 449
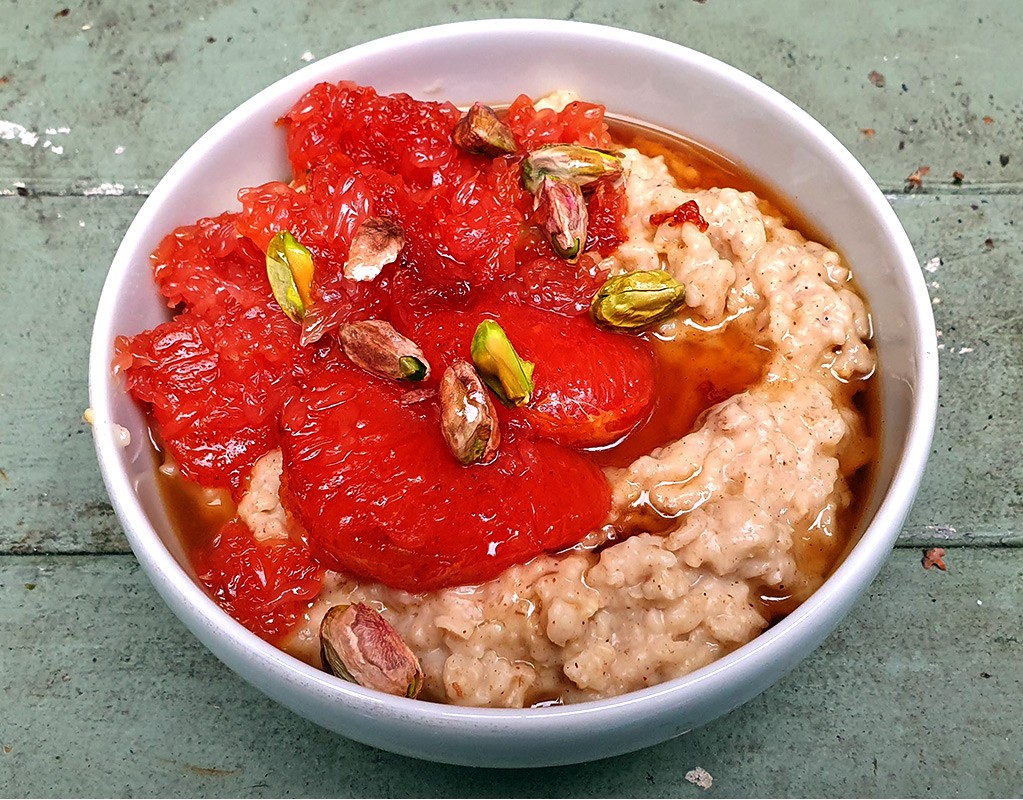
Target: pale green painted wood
56, 256
972, 489
148, 78
916, 694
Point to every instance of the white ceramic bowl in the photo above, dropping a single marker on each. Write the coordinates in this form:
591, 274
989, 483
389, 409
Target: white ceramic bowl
636, 76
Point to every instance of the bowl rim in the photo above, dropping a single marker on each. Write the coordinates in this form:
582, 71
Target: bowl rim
187, 599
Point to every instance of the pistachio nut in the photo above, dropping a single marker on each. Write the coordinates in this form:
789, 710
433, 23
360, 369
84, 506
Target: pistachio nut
359, 645
377, 243
636, 300
561, 212
571, 162
289, 267
481, 131
468, 419
375, 346
507, 375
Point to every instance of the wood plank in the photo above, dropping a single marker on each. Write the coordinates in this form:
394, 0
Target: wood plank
134, 84
54, 501
917, 693
972, 489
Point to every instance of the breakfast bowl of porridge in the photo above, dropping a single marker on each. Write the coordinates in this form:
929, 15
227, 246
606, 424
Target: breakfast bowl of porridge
513, 393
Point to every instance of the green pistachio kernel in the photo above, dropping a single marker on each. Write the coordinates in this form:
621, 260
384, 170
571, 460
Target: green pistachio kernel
289, 266
411, 368
637, 300
508, 376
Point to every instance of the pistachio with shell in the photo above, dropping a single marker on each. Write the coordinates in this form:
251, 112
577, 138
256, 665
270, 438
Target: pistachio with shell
375, 346
289, 267
499, 366
481, 131
376, 243
636, 300
561, 211
583, 166
359, 645
467, 416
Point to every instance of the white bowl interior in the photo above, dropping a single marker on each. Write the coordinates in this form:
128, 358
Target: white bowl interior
635, 76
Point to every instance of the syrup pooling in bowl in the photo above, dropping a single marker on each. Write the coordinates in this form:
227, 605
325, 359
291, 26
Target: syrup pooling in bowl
697, 356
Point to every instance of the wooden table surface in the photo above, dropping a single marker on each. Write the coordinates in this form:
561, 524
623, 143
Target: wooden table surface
103, 691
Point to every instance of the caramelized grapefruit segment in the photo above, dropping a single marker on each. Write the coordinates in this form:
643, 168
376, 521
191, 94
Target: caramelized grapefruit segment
373, 482
207, 267
215, 389
266, 586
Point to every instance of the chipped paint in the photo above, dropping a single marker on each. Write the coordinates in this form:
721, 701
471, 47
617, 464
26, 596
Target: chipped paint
941, 531
104, 189
13, 130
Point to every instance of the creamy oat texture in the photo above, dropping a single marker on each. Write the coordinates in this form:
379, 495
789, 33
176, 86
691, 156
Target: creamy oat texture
744, 504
